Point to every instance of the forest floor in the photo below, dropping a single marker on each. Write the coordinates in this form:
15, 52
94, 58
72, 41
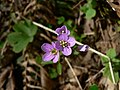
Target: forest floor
26, 70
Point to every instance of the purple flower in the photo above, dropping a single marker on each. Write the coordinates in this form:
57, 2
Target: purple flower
65, 43
83, 48
63, 30
51, 52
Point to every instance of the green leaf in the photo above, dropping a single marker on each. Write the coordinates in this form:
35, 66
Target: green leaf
111, 53
68, 24
115, 60
104, 60
38, 59
93, 87
53, 73
27, 22
94, 3
81, 37
84, 8
75, 52
59, 68
116, 75
19, 46
1, 44
116, 64
18, 41
24, 33
90, 13
119, 22
46, 63
118, 28
89, 1
33, 30
14, 37
21, 27
25, 27
106, 72
61, 20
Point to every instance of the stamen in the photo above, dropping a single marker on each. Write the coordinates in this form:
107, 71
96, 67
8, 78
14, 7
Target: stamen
62, 31
54, 51
63, 43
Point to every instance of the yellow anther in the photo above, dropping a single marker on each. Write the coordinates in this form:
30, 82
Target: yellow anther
62, 31
63, 43
54, 51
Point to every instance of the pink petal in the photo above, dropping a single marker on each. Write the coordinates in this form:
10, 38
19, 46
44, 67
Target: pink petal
83, 48
58, 30
58, 46
48, 56
67, 51
63, 28
63, 37
53, 44
47, 47
68, 32
71, 40
56, 58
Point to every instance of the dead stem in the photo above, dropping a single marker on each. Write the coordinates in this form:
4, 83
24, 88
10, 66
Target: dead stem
2, 50
73, 73
93, 50
46, 28
35, 87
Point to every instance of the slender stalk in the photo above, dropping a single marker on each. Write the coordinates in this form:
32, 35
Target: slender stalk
73, 73
46, 28
93, 50
2, 51
35, 87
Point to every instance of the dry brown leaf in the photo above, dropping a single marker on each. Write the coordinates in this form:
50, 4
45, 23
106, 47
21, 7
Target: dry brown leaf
70, 73
46, 82
29, 78
30, 69
4, 75
107, 83
70, 87
119, 85
116, 8
110, 40
11, 83
88, 25
26, 11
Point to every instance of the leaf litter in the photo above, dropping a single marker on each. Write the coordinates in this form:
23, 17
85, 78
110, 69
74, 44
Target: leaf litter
100, 33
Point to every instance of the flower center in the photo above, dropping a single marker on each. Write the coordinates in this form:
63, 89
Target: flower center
63, 31
54, 51
63, 43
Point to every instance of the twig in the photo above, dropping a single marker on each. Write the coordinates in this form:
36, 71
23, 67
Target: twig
77, 4
2, 51
73, 73
93, 50
45, 37
93, 77
29, 5
46, 28
35, 87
